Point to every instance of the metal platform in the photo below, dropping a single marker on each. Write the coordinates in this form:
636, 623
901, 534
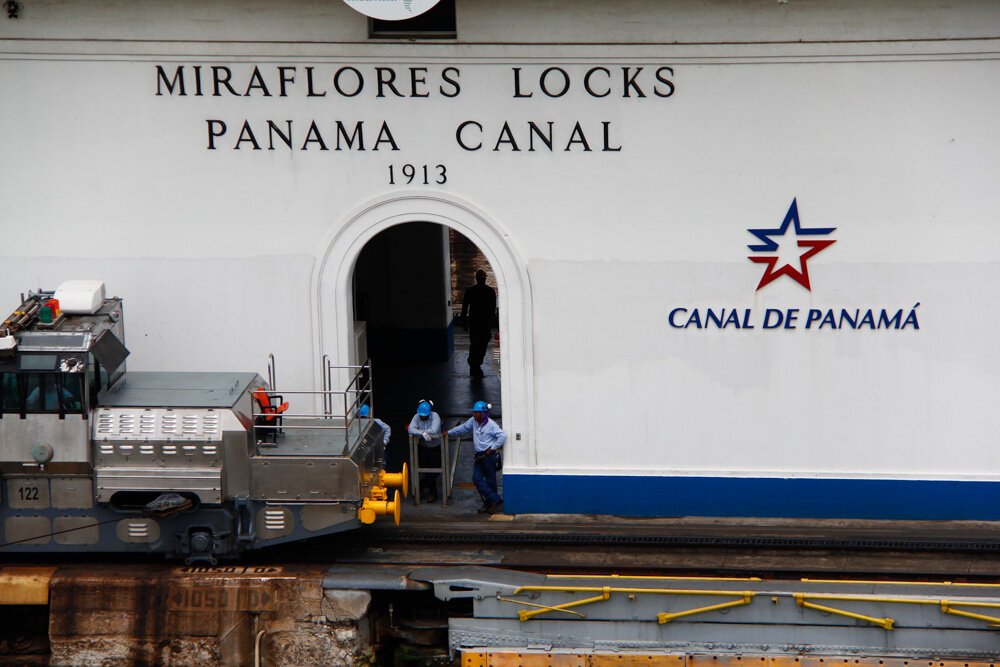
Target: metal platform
732, 616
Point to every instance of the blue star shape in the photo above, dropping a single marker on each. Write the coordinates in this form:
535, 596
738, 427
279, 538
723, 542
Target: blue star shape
792, 217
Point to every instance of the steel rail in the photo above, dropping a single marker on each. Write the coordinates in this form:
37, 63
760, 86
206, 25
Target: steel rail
596, 539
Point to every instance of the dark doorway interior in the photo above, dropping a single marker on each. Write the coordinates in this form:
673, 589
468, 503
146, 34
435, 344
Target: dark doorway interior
408, 286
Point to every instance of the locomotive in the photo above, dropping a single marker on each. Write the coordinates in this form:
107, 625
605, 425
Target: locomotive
199, 466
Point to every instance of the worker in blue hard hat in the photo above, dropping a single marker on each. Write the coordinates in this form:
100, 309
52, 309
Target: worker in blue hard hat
488, 438
364, 412
426, 425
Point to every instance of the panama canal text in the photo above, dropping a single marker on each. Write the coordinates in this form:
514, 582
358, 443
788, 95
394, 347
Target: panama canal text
602, 84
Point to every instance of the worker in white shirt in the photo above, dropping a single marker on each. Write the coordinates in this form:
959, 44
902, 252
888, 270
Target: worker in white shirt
426, 425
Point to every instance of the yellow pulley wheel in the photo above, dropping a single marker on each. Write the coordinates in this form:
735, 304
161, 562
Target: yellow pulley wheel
396, 479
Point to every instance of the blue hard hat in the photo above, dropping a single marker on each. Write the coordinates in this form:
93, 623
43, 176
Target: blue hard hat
363, 411
480, 406
424, 409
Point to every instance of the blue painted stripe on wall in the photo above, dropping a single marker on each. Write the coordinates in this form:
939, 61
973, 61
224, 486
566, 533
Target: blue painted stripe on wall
756, 496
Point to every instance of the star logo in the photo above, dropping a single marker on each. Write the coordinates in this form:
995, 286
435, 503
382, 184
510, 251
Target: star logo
790, 249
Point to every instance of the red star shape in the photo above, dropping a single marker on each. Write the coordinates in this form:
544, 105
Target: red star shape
801, 276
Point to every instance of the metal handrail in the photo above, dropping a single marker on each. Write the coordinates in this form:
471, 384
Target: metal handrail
359, 388
449, 465
354, 386
325, 378
454, 463
415, 469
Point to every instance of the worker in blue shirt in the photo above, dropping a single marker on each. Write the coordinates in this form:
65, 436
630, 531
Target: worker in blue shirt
364, 411
488, 438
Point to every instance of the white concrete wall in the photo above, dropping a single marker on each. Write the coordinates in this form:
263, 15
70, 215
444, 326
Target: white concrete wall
217, 253
516, 21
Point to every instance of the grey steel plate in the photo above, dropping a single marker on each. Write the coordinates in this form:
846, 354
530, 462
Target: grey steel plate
178, 390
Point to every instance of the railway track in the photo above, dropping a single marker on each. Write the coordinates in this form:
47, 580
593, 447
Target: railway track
853, 549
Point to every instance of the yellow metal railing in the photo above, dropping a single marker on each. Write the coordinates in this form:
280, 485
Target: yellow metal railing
885, 623
666, 617
805, 600
605, 594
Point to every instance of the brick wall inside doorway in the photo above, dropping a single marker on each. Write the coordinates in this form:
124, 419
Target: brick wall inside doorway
466, 259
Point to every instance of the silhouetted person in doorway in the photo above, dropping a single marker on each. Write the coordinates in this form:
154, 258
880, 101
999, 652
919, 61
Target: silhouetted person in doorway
479, 308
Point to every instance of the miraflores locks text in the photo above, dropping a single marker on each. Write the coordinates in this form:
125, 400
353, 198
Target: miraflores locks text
639, 82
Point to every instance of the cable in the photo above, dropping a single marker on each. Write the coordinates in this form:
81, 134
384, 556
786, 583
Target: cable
58, 532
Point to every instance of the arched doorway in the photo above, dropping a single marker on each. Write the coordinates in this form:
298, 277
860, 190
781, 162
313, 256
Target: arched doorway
334, 307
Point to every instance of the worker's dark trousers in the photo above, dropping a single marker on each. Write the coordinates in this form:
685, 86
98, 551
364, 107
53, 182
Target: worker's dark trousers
484, 476
479, 339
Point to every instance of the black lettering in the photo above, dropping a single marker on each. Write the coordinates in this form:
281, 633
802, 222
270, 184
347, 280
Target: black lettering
667, 82
314, 136
517, 83
214, 125
310, 89
256, 81
533, 131
385, 136
336, 81
246, 134
586, 81
357, 134
197, 80
272, 129
458, 135
577, 137
284, 79
414, 81
505, 131
453, 82
220, 80
178, 80
607, 138
386, 76
545, 76
630, 82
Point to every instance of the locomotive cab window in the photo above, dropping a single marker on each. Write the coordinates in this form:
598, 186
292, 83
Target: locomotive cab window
41, 393
9, 396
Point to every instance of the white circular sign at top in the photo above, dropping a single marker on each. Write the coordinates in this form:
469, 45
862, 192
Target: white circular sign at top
392, 10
